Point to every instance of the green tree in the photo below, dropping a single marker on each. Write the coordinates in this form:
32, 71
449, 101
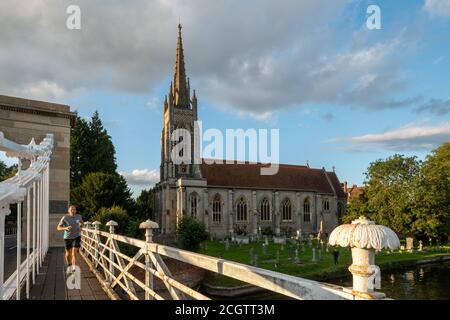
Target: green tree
191, 233
7, 172
79, 152
432, 196
357, 207
390, 192
91, 149
144, 205
116, 213
99, 190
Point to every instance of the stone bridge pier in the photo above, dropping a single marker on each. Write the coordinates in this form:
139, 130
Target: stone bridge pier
23, 119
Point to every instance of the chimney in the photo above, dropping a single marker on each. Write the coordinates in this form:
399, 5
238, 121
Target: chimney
345, 186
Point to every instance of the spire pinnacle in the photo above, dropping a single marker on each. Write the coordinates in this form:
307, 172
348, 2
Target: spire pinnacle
180, 85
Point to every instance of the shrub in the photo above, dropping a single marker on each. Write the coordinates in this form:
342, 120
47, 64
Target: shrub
240, 230
191, 233
267, 231
116, 213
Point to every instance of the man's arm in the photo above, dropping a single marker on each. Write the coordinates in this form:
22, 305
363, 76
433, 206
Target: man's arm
61, 227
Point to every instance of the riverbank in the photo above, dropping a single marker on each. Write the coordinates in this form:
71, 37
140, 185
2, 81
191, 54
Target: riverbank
282, 259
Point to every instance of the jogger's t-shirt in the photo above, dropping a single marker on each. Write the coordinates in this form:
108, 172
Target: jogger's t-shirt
73, 221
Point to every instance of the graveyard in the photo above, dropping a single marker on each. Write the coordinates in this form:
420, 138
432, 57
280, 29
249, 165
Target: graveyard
310, 259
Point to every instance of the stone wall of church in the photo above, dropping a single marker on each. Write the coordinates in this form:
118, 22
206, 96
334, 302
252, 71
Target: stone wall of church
229, 199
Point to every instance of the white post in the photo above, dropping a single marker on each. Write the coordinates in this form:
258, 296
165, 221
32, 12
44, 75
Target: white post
148, 225
97, 239
34, 232
19, 251
4, 211
28, 243
111, 224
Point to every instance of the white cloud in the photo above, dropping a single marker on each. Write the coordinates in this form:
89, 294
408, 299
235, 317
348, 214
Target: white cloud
238, 62
411, 137
144, 177
438, 7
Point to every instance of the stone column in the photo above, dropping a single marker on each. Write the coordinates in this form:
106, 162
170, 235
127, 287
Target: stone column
254, 214
230, 212
277, 217
298, 212
206, 208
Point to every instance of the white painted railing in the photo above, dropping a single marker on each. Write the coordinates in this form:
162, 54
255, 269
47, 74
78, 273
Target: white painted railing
113, 268
29, 189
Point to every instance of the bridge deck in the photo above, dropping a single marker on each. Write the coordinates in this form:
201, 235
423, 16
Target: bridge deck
51, 282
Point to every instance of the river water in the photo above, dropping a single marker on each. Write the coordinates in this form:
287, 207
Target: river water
423, 282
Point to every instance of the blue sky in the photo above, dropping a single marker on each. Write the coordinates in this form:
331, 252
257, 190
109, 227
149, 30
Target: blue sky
340, 94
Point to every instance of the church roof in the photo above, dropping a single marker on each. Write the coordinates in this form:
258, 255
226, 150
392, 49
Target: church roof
289, 177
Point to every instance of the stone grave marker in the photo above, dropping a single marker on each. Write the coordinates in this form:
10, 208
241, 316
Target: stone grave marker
420, 245
409, 244
313, 255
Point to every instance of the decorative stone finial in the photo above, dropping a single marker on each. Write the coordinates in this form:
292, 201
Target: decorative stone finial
112, 223
148, 224
364, 237
364, 234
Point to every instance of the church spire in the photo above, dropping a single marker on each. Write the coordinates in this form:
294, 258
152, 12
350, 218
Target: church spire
181, 90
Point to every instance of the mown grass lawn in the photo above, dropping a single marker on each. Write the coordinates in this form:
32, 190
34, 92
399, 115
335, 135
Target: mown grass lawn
322, 269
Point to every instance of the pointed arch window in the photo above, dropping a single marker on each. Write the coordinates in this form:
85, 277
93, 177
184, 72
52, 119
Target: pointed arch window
286, 210
326, 205
265, 210
217, 209
193, 200
241, 210
307, 211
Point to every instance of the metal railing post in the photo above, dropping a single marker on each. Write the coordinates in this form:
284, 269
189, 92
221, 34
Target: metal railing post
112, 225
4, 211
97, 240
148, 225
19, 248
28, 243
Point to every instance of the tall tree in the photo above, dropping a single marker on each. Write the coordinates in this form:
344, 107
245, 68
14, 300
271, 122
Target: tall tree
144, 205
103, 153
99, 190
92, 149
432, 196
390, 193
79, 151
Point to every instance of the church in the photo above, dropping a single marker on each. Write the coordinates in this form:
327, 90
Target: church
235, 198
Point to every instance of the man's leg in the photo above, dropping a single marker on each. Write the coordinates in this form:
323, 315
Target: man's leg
67, 256
74, 256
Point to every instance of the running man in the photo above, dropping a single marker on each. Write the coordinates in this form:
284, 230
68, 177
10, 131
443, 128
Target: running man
71, 224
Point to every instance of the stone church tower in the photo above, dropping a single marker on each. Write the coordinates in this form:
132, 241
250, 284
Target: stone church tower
180, 111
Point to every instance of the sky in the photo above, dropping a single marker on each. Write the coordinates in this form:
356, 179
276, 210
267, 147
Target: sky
341, 94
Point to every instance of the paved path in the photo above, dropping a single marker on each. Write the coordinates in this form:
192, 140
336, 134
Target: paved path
51, 282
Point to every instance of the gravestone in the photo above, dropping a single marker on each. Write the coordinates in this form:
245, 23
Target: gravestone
420, 245
296, 256
409, 243
303, 247
264, 248
266, 241
227, 245
252, 256
313, 255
